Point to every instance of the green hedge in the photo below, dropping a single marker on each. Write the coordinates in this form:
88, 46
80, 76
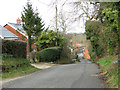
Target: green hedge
15, 48
49, 54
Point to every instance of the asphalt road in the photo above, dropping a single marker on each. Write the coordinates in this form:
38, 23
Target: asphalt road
79, 75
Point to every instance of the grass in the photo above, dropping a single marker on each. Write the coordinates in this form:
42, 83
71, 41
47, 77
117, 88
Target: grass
26, 69
107, 65
14, 70
14, 61
65, 61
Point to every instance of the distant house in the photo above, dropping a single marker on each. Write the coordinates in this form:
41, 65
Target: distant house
86, 53
6, 34
16, 29
79, 38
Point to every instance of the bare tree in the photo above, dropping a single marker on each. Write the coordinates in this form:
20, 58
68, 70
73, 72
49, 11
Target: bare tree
84, 9
61, 19
78, 11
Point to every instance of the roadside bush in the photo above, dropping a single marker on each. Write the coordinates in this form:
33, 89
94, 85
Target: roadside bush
15, 48
91, 52
65, 61
31, 56
66, 53
49, 54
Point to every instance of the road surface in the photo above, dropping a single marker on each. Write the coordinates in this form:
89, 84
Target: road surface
79, 75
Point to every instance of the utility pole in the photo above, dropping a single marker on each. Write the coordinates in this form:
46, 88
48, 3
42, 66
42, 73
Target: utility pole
56, 17
56, 24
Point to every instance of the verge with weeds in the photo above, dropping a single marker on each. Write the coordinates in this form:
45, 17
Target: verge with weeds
14, 67
111, 70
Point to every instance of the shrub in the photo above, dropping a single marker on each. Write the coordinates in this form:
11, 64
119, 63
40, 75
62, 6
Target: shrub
15, 48
66, 52
31, 56
49, 54
48, 39
65, 61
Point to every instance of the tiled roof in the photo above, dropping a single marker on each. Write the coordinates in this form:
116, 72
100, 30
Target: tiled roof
6, 33
18, 27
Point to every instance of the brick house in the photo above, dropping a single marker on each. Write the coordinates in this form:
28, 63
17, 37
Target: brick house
86, 53
6, 34
16, 28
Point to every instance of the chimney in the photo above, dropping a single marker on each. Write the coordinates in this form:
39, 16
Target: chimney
18, 21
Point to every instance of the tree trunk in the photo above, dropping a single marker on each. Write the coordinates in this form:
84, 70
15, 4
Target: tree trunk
29, 43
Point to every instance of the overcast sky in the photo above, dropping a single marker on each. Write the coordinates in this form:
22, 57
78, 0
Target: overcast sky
11, 10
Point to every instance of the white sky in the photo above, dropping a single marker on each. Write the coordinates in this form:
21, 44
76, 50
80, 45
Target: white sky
11, 10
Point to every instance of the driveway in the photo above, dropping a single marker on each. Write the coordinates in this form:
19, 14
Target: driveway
79, 75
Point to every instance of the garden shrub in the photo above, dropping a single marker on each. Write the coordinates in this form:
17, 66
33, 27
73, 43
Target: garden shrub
66, 52
48, 39
15, 48
31, 56
49, 54
65, 61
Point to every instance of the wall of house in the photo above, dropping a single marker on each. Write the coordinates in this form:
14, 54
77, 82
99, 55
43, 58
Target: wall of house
86, 53
21, 37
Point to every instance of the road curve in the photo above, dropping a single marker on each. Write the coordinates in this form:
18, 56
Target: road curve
79, 75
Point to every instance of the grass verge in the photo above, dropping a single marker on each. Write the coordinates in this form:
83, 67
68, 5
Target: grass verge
107, 65
26, 69
14, 67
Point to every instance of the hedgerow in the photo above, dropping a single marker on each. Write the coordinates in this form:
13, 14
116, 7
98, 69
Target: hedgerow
49, 54
15, 48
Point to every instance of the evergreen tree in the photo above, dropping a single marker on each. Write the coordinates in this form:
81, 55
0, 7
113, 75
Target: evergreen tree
32, 23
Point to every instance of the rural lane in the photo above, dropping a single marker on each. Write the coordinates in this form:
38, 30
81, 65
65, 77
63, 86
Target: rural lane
79, 75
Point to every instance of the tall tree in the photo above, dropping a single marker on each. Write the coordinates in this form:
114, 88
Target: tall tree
32, 23
108, 18
93, 33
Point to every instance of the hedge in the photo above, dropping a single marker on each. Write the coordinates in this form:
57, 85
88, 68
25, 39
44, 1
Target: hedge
49, 54
15, 48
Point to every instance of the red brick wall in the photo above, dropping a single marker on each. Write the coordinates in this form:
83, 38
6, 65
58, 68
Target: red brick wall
21, 37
